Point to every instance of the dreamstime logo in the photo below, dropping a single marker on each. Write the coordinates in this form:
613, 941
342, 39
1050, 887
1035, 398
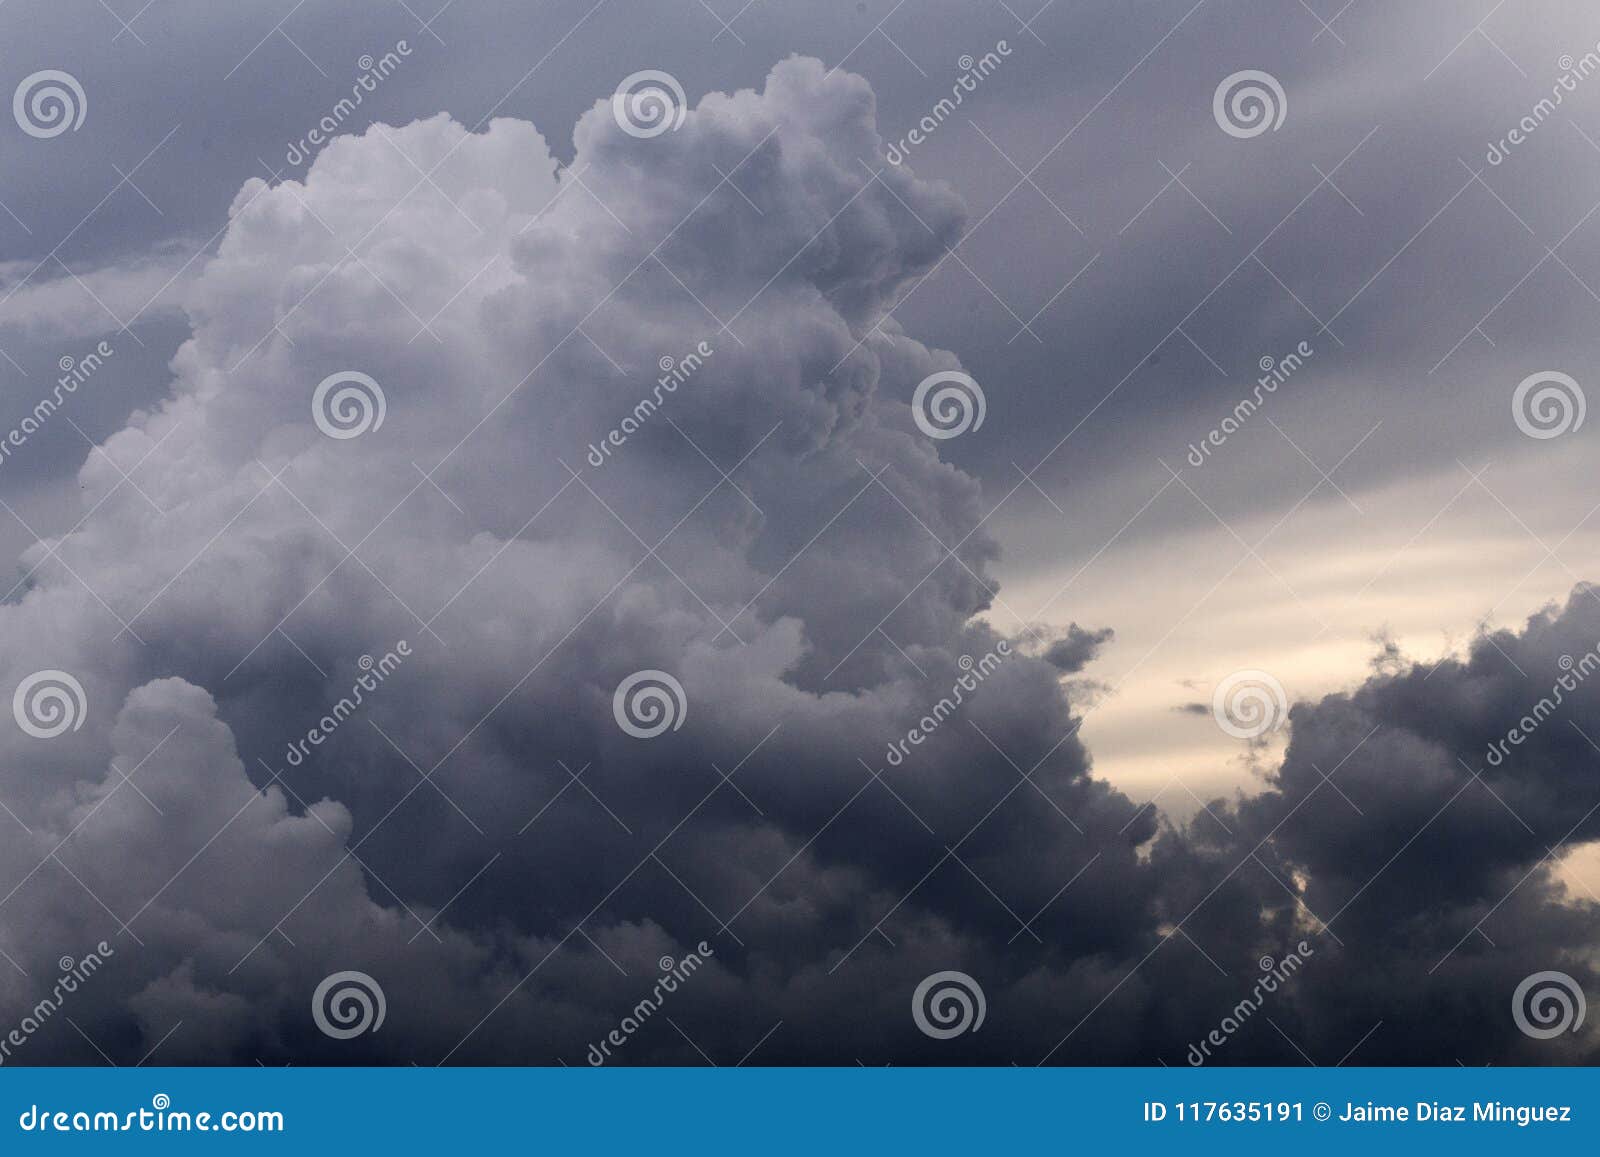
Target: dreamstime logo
948, 404
1249, 704
49, 103
674, 373
73, 974
647, 703
972, 73
374, 672
948, 1004
1248, 103
1572, 72
1274, 373
372, 71
673, 973
649, 103
973, 674
1574, 672
1274, 974
348, 404
1547, 404
156, 1119
49, 703
1548, 1004
348, 1004
74, 373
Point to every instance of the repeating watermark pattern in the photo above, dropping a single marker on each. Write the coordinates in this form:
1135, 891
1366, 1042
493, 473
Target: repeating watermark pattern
674, 372
974, 674
49, 703
347, 1004
1274, 974
374, 673
947, 1004
649, 703
1249, 704
973, 73
48, 103
1547, 1004
1572, 72
74, 373
373, 72
348, 404
1548, 404
1249, 103
673, 973
73, 974
947, 404
788, 212
649, 103
1576, 672
1274, 373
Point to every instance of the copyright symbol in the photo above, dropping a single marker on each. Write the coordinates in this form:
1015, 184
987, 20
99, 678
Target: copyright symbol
1321, 1111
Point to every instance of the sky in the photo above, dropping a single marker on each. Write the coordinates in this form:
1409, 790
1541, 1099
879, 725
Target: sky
1201, 394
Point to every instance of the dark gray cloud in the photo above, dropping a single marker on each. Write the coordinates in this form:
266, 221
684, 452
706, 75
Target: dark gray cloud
480, 835
1078, 648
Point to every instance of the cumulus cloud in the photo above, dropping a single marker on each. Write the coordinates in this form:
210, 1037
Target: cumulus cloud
476, 832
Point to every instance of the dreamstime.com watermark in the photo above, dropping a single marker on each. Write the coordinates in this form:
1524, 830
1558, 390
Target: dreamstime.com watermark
649, 103
348, 404
673, 374
1547, 1004
947, 1004
347, 1004
1248, 103
1274, 373
673, 973
73, 974
374, 673
49, 103
973, 72
947, 404
1548, 404
372, 72
1249, 704
1273, 975
1576, 671
74, 373
49, 703
973, 675
649, 703
161, 1117
1572, 72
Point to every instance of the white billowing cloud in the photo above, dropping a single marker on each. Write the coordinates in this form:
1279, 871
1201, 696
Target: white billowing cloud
512, 312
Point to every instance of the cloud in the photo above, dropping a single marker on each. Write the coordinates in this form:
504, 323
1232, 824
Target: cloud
48, 304
1078, 649
474, 830
1434, 866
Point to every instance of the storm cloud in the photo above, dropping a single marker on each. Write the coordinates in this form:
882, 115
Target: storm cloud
776, 531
